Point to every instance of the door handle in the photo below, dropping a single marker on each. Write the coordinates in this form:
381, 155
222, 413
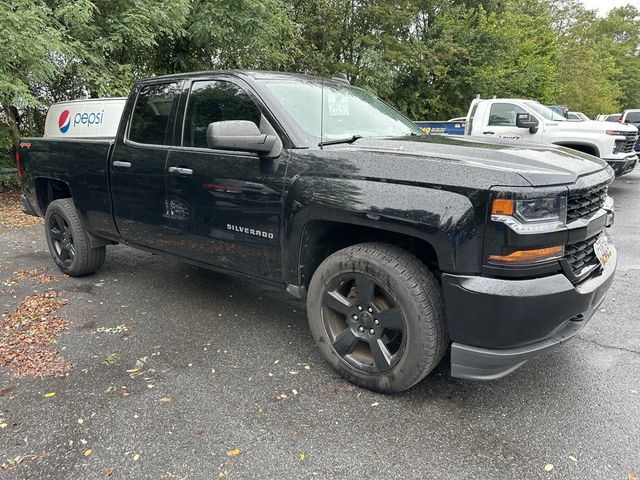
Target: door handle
117, 163
488, 133
180, 170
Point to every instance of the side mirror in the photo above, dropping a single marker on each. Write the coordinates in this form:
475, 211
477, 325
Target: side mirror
524, 120
240, 135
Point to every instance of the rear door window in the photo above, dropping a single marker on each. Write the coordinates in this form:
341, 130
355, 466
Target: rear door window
215, 101
154, 113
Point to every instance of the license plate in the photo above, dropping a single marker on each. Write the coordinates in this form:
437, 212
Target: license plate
603, 252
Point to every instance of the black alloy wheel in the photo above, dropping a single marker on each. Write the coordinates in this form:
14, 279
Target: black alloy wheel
61, 238
377, 315
366, 328
69, 243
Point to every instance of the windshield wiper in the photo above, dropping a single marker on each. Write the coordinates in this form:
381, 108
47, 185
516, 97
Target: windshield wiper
351, 139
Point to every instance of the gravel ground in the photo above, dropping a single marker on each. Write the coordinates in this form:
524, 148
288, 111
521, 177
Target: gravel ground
179, 372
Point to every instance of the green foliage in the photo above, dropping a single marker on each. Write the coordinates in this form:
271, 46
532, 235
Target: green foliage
29, 42
428, 57
619, 35
7, 160
466, 51
240, 34
588, 81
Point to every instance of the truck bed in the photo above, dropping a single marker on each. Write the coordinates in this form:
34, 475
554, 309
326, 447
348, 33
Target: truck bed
83, 165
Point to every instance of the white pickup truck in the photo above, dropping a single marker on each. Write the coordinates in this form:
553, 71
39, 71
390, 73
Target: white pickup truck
530, 121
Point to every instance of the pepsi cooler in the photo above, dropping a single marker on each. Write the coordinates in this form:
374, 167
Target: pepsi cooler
90, 118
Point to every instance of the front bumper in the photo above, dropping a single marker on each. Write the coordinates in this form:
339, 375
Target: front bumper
496, 325
622, 166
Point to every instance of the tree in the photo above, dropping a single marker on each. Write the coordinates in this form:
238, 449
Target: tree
113, 42
30, 43
365, 39
619, 34
466, 50
588, 77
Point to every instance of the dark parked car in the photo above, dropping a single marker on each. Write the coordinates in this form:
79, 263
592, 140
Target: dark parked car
403, 245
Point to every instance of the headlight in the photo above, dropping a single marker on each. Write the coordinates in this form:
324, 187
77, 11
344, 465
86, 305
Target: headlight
531, 215
619, 133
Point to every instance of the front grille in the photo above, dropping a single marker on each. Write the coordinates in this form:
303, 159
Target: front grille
581, 257
625, 146
584, 204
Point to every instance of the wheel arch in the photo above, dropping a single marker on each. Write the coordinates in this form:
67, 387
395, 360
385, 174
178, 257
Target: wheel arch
584, 147
50, 189
322, 238
441, 227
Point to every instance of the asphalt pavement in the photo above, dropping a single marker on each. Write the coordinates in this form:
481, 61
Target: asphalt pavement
182, 373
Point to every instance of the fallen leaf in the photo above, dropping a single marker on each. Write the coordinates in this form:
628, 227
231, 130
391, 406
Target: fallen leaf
136, 457
632, 476
117, 329
88, 452
3, 425
111, 359
133, 370
302, 457
572, 458
260, 411
164, 400
17, 461
375, 404
548, 467
294, 391
49, 394
11, 215
233, 453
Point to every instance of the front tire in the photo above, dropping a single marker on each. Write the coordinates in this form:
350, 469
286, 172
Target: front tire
69, 242
377, 315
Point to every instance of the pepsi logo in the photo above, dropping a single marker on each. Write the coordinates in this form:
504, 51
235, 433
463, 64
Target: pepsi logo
64, 121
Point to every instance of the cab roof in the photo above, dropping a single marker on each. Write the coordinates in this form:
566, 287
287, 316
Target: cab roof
245, 74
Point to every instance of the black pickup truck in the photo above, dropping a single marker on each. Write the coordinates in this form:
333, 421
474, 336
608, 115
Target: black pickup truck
403, 245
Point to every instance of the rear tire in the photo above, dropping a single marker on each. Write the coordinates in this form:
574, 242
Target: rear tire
377, 315
69, 242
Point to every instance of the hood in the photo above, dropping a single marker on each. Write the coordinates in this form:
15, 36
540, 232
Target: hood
593, 126
538, 165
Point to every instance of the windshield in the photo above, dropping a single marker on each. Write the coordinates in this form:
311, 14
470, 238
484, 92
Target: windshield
339, 111
544, 112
